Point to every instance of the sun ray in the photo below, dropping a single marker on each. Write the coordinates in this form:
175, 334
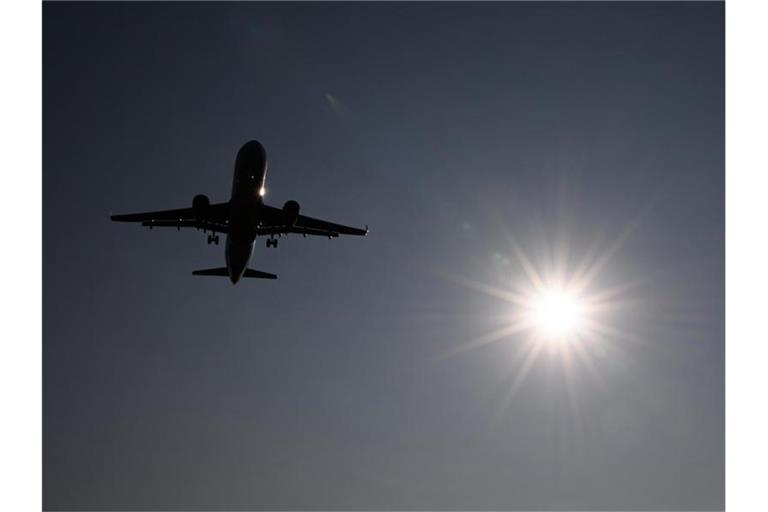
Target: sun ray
523, 354
585, 357
608, 331
530, 357
493, 291
489, 338
583, 281
568, 364
530, 270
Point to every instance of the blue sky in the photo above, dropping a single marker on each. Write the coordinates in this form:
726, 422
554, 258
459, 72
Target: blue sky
452, 130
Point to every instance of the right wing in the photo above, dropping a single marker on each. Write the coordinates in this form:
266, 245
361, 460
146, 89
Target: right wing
216, 218
308, 223
274, 224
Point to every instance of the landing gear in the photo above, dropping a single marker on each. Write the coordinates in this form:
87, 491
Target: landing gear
271, 242
213, 239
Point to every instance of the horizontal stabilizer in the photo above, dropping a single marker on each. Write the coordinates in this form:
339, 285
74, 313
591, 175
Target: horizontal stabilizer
259, 274
223, 272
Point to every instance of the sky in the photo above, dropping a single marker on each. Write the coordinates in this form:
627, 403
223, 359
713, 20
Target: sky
477, 141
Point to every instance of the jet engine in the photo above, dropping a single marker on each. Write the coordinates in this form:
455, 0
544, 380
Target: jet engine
200, 206
291, 212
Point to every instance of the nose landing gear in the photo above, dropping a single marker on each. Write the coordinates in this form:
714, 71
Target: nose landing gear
271, 242
213, 239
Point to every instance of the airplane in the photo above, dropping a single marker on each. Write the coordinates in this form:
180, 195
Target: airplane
243, 218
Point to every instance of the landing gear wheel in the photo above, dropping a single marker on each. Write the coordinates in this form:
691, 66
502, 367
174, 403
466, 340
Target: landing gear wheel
216, 239
271, 242
210, 239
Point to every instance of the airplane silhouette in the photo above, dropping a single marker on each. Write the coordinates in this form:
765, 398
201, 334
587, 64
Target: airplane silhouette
243, 218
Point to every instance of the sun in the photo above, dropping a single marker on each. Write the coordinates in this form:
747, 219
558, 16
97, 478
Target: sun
560, 306
555, 310
557, 313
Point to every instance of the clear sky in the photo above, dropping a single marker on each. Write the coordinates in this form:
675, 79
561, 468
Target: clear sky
457, 132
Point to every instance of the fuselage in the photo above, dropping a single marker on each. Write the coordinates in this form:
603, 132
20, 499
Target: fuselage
245, 203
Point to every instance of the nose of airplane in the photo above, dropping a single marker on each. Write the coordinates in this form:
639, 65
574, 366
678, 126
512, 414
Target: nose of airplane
254, 147
251, 156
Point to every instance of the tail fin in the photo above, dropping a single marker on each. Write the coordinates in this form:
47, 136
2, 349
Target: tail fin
224, 272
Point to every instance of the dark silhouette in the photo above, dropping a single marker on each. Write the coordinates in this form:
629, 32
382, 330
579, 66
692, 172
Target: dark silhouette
242, 218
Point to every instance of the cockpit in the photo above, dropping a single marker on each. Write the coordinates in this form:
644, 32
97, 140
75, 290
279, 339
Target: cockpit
250, 168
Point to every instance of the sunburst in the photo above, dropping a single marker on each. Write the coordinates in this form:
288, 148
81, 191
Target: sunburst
553, 313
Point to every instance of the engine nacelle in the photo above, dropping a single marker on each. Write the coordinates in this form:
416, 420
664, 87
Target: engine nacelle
200, 205
291, 212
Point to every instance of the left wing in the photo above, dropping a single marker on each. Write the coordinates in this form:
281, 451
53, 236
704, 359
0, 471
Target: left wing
273, 223
216, 218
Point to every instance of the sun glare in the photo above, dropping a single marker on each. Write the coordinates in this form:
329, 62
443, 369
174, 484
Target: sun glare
558, 306
556, 310
557, 313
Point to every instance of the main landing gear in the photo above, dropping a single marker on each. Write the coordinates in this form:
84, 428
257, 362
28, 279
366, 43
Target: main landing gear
271, 242
213, 239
